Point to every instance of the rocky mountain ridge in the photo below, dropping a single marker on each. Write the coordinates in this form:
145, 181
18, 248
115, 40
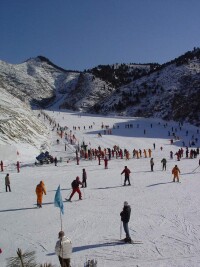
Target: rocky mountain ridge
169, 91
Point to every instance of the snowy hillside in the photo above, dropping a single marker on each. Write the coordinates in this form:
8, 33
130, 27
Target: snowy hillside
170, 93
40, 83
165, 215
87, 92
20, 128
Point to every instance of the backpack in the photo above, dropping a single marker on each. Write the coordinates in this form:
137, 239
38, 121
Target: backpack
74, 184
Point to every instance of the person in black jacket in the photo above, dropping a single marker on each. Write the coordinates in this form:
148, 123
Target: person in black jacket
55, 161
164, 164
125, 217
84, 178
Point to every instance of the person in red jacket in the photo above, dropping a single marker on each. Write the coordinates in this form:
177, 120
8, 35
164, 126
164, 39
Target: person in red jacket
1, 166
75, 188
106, 163
126, 172
18, 166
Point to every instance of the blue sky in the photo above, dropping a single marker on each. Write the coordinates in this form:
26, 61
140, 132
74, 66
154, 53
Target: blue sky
81, 34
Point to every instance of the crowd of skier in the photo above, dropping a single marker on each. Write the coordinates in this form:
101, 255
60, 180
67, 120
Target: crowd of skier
84, 151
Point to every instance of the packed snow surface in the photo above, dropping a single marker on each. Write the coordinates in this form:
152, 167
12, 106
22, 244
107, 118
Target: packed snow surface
165, 215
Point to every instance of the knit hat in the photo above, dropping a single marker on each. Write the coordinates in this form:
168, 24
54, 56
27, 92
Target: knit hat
77, 178
125, 203
61, 234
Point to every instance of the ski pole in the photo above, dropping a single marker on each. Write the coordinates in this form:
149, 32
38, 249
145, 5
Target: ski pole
83, 193
131, 180
120, 230
68, 195
195, 168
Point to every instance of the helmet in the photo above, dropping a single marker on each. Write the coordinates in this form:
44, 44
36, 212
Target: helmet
125, 203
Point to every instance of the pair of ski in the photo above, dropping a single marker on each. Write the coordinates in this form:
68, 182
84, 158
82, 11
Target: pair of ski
133, 242
68, 200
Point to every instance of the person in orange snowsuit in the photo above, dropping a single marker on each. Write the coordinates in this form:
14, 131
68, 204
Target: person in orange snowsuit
175, 172
149, 150
106, 163
40, 190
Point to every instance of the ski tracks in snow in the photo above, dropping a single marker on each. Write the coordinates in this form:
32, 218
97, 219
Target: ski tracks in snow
178, 238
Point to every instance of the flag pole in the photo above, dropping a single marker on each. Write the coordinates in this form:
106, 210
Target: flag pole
60, 219
59, 203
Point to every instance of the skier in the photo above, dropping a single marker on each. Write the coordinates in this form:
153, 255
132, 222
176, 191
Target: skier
63, 249
75, 188
1, 166
152, 164
55, 161
84, 178
149, 150
126, 172
18, 166
7, 182
125, 217
99, 158
77, 157
40, 190
164, 163
175, 172
106, 163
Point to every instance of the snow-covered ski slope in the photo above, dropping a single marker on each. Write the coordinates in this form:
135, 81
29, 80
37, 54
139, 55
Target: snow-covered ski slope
165, 215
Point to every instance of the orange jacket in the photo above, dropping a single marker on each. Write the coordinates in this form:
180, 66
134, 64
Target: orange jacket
175, 171
40, 189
